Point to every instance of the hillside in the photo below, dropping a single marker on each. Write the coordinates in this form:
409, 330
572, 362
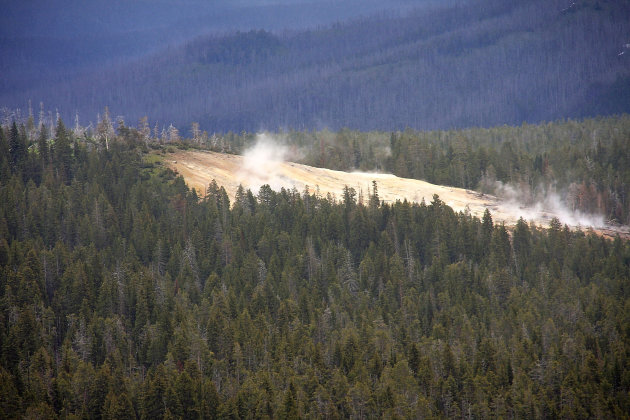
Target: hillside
481, 63
47, 42
125, 295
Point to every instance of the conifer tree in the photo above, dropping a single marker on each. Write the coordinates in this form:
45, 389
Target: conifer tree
62, 152
17, 149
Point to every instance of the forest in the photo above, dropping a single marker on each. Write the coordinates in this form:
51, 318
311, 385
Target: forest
473, 63
49, 41
126, 295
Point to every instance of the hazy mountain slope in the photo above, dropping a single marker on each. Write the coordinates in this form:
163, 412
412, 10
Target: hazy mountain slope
44, 42
482, 64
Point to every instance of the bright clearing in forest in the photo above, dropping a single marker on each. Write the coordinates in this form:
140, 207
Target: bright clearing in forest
266, 165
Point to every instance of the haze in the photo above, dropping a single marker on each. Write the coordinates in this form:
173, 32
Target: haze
365, 65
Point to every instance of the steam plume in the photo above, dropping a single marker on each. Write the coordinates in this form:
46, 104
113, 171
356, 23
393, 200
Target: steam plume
543, 205
261, 164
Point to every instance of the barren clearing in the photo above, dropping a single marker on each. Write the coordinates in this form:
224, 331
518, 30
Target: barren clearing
199, 168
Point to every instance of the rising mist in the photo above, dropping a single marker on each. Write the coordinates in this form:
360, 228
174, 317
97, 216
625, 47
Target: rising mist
261, 162
543, 203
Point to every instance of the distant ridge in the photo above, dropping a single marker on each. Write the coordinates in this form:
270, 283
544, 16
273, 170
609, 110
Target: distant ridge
485, 63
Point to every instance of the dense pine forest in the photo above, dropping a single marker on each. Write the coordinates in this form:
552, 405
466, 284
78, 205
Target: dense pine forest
126, 295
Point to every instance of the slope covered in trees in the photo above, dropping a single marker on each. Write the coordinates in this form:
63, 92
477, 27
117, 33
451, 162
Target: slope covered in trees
125, 295
480, 63
46, 42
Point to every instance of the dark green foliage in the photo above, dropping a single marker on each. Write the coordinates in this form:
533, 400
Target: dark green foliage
17, 149
9, 396
123, 295
62, 152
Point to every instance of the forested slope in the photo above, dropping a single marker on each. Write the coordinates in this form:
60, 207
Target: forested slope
481, 63
46, 42
125, 295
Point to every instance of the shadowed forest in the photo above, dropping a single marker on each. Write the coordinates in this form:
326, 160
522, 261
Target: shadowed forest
475, 63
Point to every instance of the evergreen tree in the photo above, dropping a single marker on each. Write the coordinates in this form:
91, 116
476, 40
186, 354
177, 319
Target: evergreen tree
62, 152
17, 149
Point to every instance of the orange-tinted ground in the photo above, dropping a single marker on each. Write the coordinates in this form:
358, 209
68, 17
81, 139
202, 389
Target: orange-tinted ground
199, 168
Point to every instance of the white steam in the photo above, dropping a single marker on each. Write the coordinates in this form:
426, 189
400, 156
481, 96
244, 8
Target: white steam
543, 205
261, 164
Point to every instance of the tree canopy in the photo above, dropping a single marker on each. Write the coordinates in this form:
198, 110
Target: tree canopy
125, 295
